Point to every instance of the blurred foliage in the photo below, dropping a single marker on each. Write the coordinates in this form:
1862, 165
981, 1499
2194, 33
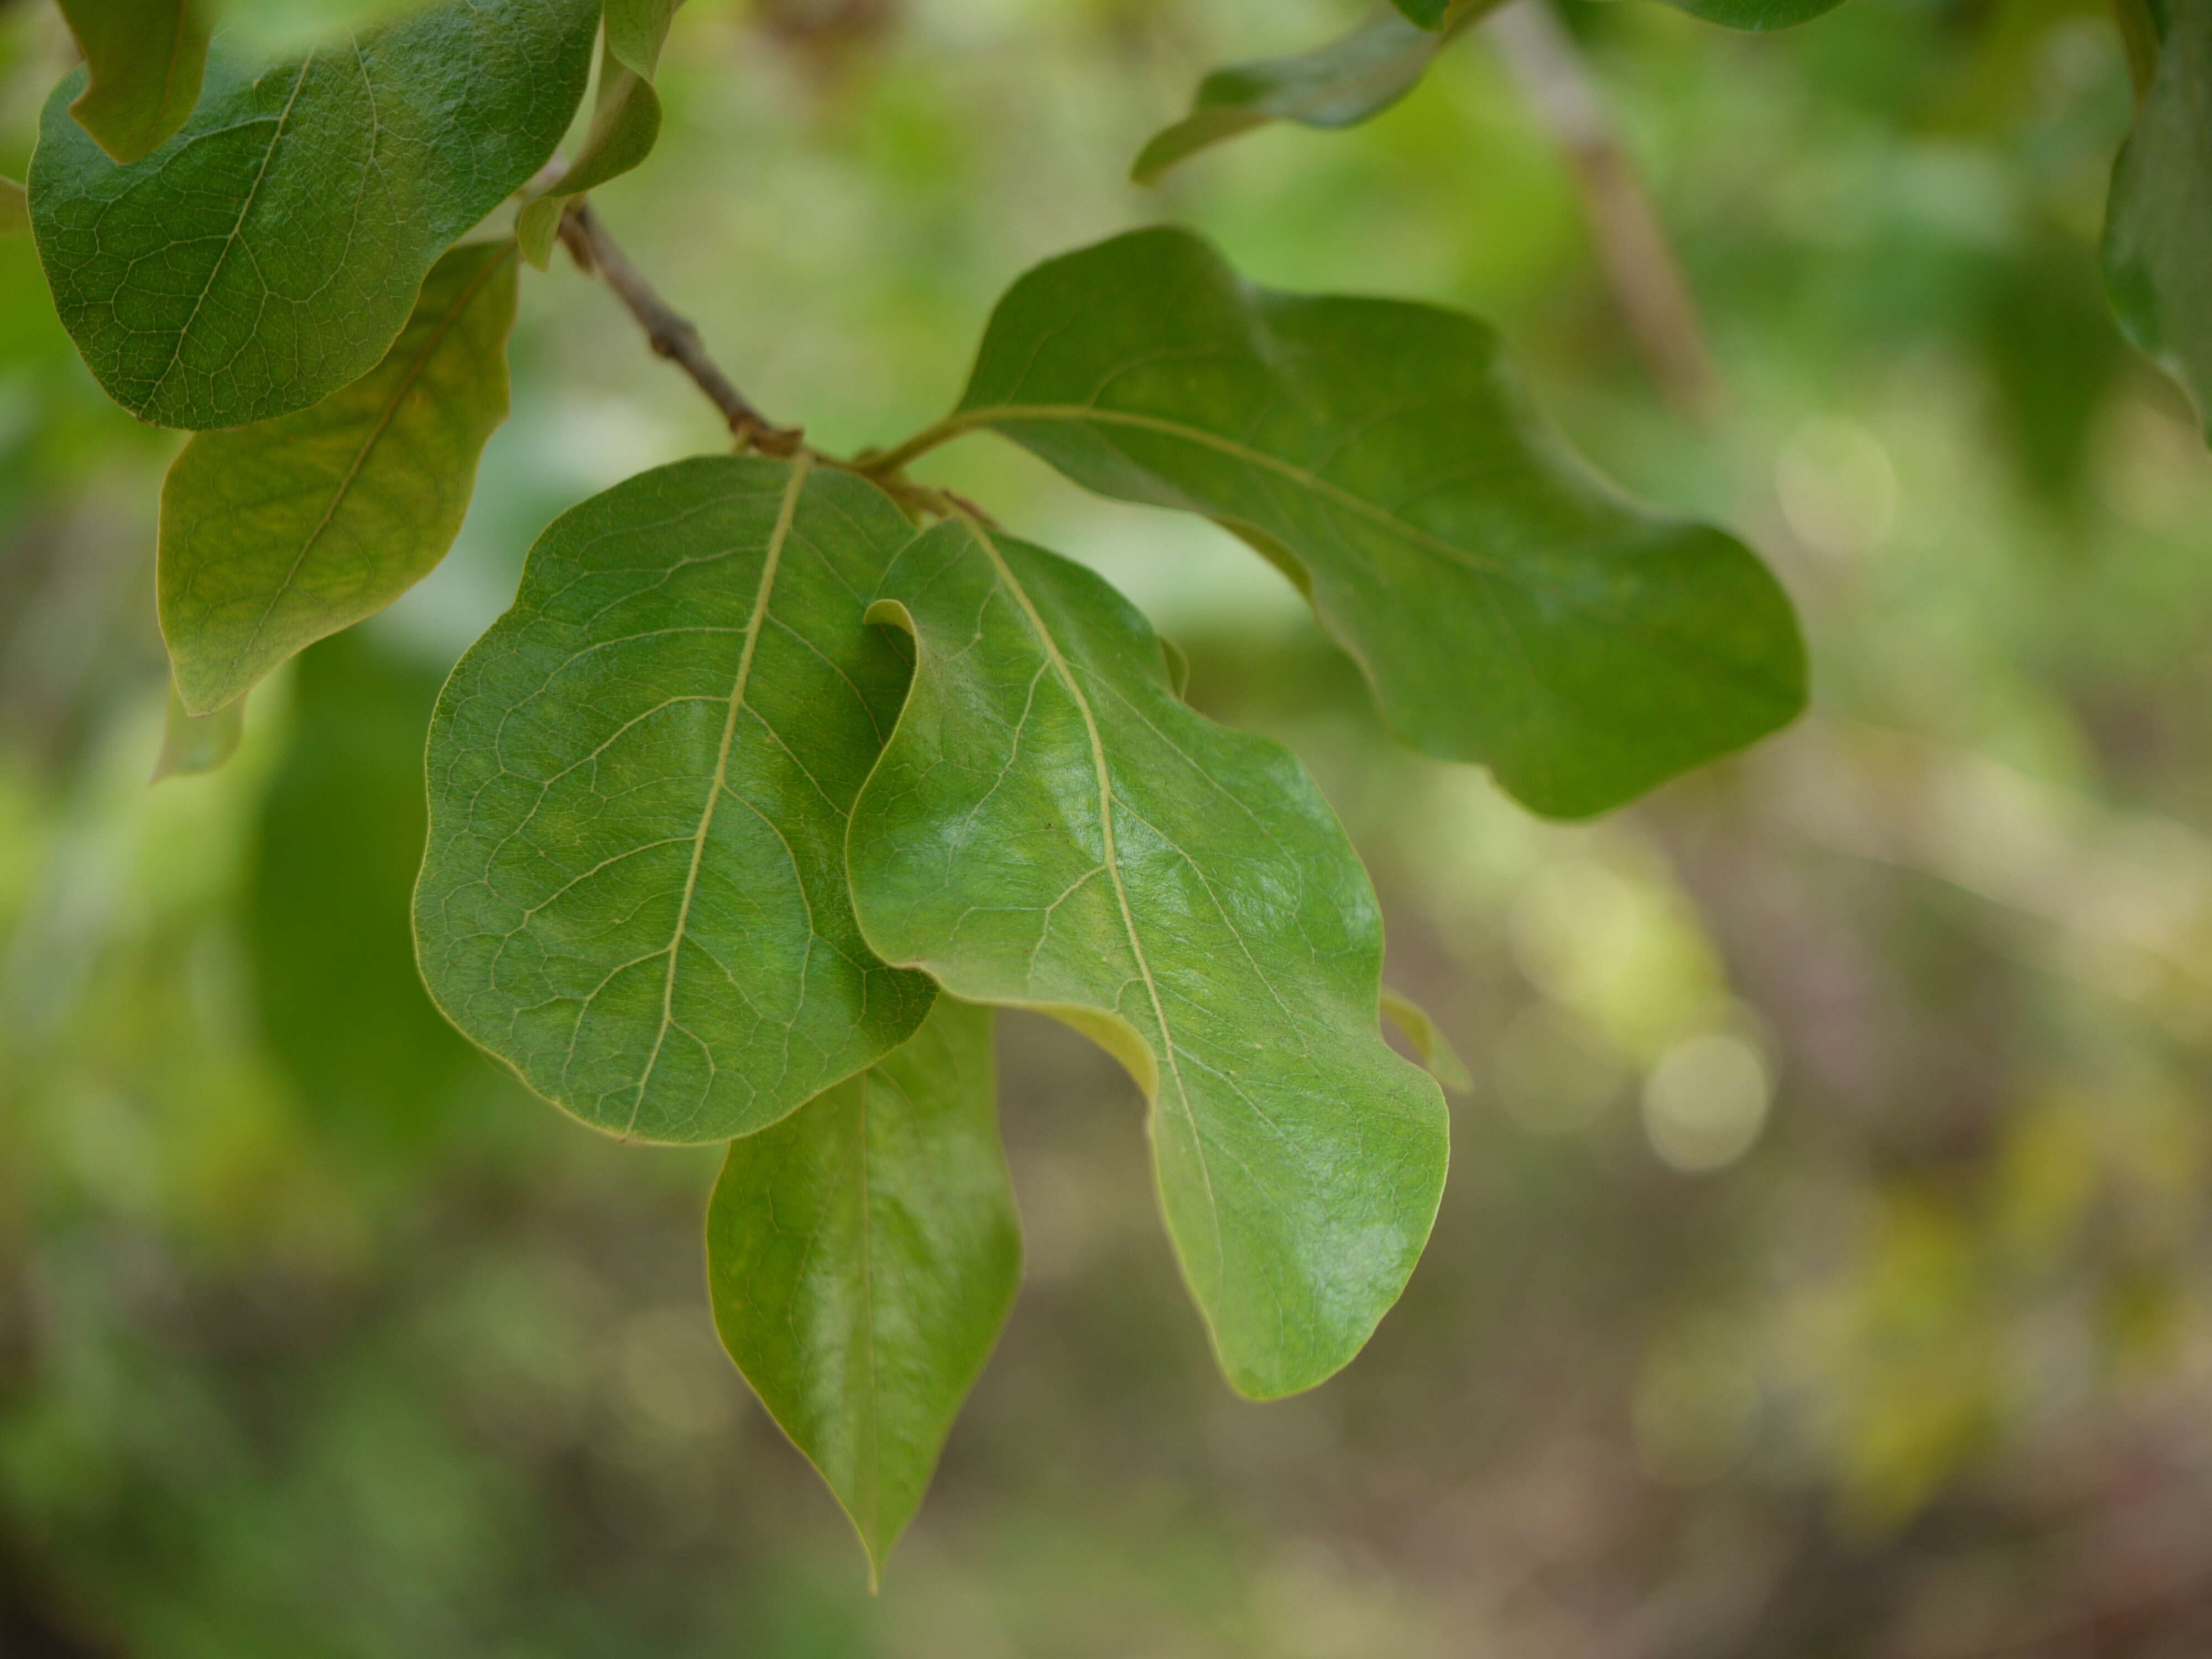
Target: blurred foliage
1824, 1269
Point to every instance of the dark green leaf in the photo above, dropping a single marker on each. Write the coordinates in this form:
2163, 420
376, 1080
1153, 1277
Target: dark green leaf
1050, 828
1756, 15
1507, 606
862, 1256
1429, 13
270, 252
2158, 225
143, 59
1348, 80
635, 888
197, 743
277, 534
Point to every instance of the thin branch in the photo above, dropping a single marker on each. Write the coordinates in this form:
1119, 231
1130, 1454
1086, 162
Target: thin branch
670, 334
1632, 243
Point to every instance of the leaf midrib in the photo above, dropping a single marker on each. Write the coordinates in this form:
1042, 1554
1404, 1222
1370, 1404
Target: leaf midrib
785, 514
385, 418
1111, 856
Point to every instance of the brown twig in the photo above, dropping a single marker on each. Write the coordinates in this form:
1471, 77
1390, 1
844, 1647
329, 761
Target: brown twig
670, 334
1632, 243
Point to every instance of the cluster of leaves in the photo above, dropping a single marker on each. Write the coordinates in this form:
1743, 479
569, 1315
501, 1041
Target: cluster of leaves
785, 769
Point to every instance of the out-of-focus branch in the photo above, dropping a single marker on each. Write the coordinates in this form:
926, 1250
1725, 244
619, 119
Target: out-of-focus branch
670, 334
1640, 265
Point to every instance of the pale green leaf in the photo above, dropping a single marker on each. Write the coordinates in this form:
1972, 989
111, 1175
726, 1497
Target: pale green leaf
277, 534
635, 888
271, 252
1350, 80
1434, 1048
1507, 606
14, 211
143, 59
1051, 827
636, 31
197, 743
861, 1257
2158, 223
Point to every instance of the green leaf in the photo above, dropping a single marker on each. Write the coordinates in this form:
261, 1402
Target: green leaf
636, 31
277, 534
861, 1257
14, 210
625, 126
634, 888
143, 59
1507, 606
1756, 16
193, 743
1050, 828
1434, 1046
2158, 223
1428, 14
1350, 80
271, 252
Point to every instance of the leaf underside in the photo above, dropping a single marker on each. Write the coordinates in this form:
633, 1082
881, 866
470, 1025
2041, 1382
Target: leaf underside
2158, 226
277, 534
1051, 827
270, 252
861, 1257
625, 121
1507, 606
633, 892
143, 60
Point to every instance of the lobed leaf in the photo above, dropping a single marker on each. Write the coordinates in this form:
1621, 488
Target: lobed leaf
2158, 224
862, 1258
143, 60
1350, 80
277, 534
1507, 606
270, 252
1049, 827
634, 892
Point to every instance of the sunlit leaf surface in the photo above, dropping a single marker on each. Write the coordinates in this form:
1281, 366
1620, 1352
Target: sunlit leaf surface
1051, 827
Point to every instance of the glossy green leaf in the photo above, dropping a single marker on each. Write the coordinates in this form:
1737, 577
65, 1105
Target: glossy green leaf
2158, 224
277, 534
271, 252
1350, 80
862, 1256
143, 60
625, 121
197, 743
1756, 16
14, 210
1506, 604
634, 888
1434, 1048
1051, 827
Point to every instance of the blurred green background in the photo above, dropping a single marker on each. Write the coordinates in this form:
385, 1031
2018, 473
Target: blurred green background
1825, 1268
